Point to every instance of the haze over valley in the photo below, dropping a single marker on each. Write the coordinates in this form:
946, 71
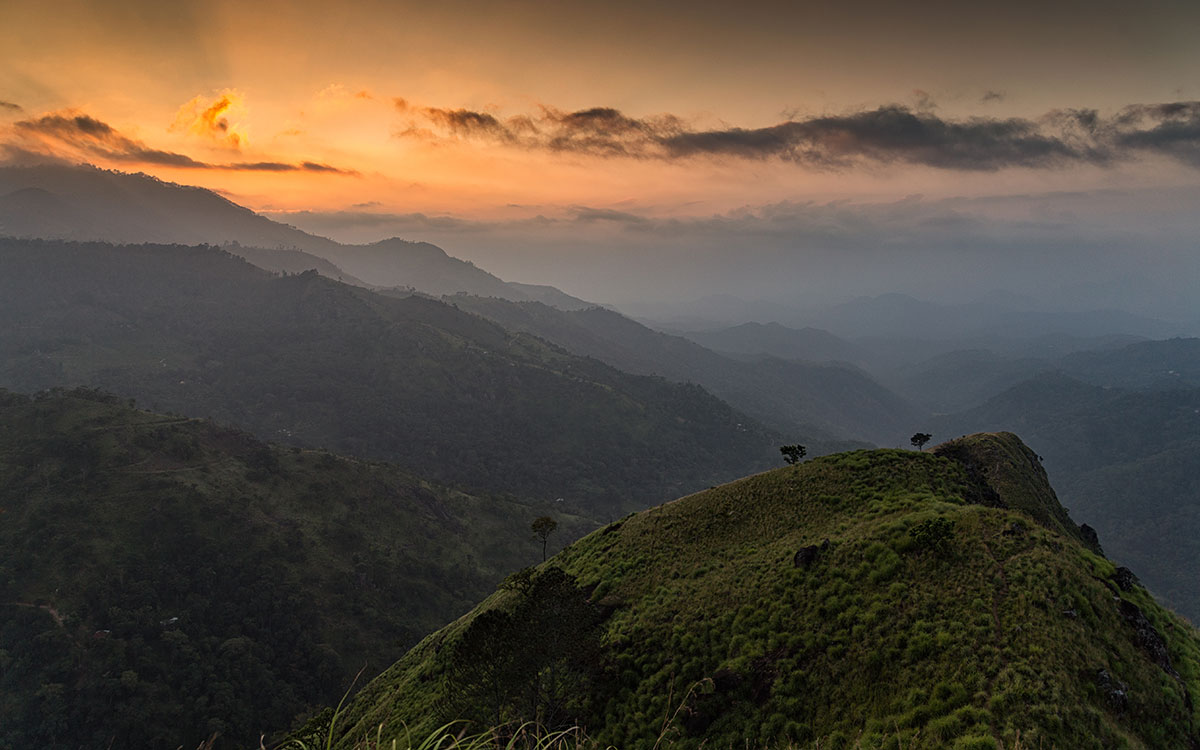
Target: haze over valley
780, 376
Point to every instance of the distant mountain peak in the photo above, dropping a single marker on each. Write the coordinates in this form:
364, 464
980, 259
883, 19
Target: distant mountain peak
86, 203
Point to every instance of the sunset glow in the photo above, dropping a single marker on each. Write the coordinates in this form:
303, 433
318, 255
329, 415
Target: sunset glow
526, 134
476, 111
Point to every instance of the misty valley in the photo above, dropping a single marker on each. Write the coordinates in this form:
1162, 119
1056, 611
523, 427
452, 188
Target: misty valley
259, 488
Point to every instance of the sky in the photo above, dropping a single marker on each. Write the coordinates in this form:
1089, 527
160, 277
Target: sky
548, 141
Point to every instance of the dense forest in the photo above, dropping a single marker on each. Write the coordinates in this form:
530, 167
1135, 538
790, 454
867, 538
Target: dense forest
163, 579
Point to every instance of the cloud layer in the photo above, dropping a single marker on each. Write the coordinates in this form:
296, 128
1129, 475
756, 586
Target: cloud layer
73, 136
892, 134
805, 253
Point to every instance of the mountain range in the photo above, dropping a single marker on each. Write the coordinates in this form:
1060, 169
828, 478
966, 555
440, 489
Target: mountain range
819, 400
86, 204
314, 362
878, 598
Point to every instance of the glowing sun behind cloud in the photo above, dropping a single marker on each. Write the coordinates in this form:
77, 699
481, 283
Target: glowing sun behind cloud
214, 119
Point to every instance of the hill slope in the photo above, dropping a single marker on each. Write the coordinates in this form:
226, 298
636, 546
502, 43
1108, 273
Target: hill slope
816, 403
429, 269
163, 578
1125, 462
810, 344
85, 203
953, 605
306, 360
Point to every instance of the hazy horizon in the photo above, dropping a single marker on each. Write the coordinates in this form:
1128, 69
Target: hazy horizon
783, 153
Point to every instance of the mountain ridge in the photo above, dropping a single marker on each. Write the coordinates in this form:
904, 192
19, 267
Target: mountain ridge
407, 378
84, 203
1124, 460
823, 401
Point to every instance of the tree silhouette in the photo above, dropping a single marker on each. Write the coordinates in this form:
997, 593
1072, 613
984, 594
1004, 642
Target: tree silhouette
920, 439
543, 527
793, 453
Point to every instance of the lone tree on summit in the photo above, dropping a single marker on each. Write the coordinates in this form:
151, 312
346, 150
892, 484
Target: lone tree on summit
542, 527
920, 439
793, 453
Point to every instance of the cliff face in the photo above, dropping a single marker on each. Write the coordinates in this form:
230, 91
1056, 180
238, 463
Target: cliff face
868, 599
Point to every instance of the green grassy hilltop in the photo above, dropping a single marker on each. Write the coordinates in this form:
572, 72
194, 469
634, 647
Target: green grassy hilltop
869, 599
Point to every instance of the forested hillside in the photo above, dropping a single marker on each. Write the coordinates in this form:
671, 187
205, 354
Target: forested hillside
836, 401
306, 360
163, 579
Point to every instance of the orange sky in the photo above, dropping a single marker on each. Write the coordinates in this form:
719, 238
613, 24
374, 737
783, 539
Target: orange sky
294, 106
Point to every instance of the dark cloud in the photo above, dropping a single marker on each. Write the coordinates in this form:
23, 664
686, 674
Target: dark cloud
96, 138
266, 166
1171, 130
312, 166
277, 166
884, 135
85, 136
464, 122
587, 214
600, 131
10, 107
992, 96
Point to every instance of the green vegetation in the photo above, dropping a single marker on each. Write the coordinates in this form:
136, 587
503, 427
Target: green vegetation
163, 579
945, 611
823, 402
933, 534
308, 361
1127, 463
452, 736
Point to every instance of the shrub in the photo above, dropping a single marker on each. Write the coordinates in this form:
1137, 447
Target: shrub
933, 533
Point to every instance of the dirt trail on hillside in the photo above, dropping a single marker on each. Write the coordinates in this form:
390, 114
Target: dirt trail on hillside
49, 609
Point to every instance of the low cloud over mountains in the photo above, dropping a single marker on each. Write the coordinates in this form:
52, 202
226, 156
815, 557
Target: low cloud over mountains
73, 136
886, 134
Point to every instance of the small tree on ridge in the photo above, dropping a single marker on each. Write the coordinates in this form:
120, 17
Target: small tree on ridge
793, 453
542, 527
